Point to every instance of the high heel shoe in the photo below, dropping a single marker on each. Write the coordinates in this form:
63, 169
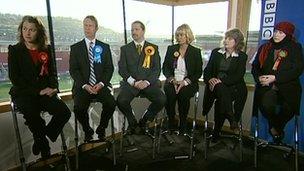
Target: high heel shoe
276, 135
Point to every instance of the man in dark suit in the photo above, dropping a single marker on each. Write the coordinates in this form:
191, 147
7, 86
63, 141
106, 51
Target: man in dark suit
91, 68
139, 66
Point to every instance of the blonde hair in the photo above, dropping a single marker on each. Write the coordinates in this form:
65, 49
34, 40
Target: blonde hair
238, 37
184, 28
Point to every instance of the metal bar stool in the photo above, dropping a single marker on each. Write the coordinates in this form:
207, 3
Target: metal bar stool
190, 136
16, 111
76, 138
293, 149
206, 137
130, 138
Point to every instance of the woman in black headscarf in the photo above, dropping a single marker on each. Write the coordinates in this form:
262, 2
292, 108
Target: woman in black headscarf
276, 70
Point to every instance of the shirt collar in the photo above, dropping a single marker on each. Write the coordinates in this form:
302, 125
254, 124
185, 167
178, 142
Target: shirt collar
89, 41
223, 51
139, 43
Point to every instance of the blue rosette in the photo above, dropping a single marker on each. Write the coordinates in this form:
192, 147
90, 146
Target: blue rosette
97, 50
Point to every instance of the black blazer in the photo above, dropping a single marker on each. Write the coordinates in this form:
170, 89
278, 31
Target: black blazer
193, 61
234, 78
24, 74
235, 73
130, 64
80, 65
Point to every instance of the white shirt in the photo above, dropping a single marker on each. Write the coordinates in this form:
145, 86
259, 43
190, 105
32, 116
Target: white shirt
180, 71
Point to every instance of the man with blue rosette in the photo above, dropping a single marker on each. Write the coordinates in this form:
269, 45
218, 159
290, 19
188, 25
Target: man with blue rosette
91, 68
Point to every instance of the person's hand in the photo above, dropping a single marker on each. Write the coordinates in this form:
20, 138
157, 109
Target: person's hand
171, 80
179, 86
266, 80
137, 84
97, 87
144, 84
48, 91
141, 84
212, 82
89, 89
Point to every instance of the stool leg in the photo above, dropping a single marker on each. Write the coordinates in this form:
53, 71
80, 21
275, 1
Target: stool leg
159, 135
241, 140
205, 137
296, 144
122, 136
193, 125
154, 138
113, 141
65, 154
76, 145
256, 129
19, 142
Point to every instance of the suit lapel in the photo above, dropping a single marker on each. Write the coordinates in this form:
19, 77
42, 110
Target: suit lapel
186, 56
84, 52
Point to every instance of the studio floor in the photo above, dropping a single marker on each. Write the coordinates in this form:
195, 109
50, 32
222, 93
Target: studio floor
223, 155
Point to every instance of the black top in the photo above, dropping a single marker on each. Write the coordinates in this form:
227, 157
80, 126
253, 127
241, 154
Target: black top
24, 74
235, 72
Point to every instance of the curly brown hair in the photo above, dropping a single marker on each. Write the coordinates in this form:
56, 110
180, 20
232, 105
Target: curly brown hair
41, 39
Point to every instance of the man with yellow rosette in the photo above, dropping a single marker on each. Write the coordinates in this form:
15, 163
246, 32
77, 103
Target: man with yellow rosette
139, 66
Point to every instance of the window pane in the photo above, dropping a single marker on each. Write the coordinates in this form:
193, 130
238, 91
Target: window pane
68, 30
11, 15
253, 36
157, 19
208, 23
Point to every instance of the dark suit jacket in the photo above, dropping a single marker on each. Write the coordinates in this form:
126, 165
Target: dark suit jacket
130, 64
24, 74
193, 61
80, 65
234, 79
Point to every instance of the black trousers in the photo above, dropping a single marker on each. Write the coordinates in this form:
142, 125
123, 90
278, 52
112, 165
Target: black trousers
152, 93
183, 100
275, 109
229, 101
82, 100
31, 107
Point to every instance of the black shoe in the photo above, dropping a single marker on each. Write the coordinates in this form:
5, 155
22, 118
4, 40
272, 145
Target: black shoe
142, 123
88, 135
130, 130
234, 125
277, 139
35, 148
40, 145
139, 130
101, 132
45, 154
215, 137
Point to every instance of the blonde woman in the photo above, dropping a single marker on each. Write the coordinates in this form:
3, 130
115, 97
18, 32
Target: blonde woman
182, 68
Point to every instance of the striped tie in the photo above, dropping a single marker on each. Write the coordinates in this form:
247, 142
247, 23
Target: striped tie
92, 78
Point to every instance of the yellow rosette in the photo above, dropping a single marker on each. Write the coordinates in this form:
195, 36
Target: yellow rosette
149, 51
